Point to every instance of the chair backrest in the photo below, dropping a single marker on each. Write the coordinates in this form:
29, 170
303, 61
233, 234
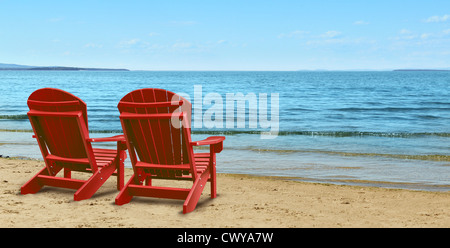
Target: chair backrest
156, 123
59, 121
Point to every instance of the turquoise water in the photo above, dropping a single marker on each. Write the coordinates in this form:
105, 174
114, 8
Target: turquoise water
389, 129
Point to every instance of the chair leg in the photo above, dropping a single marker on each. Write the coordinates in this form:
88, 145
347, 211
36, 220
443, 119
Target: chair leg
148, 181
67, 173
89, 188
124, 196
213, 183
33, 185
213, 176
120, 170
195, 192
94, 183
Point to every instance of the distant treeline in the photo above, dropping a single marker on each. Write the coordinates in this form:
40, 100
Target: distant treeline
60, 68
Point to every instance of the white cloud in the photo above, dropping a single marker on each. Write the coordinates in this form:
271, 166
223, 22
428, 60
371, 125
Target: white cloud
93, 45
405, 34
405, 31
342, 41
425, 35
438, 18
296, 33
360, 23
131, 42
331, 34
182, 45
409, 35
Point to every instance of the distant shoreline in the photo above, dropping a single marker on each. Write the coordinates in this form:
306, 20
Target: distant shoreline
15, 67
107, 69
60, 68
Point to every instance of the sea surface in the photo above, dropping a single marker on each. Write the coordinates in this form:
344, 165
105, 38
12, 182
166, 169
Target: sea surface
384, 128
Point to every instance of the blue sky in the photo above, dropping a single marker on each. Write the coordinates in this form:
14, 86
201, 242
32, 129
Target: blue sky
227, 35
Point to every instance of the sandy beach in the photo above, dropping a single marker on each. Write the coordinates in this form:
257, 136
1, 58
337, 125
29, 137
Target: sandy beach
243, 201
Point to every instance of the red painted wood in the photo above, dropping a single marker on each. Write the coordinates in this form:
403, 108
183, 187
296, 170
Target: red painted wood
60, 126
160, 149
159, 192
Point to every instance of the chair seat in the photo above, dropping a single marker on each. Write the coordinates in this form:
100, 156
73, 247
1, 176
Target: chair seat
201, 161
104, 157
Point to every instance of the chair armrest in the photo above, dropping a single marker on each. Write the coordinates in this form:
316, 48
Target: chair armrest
119, 138
208, 141
121, 141
216, 143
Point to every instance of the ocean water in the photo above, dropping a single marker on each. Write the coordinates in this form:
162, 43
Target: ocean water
386, 129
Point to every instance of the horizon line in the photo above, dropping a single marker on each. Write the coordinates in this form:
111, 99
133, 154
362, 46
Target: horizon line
231, 70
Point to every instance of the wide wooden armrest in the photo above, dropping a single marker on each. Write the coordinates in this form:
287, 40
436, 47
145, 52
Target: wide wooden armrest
208, 141
108, 139
216, 143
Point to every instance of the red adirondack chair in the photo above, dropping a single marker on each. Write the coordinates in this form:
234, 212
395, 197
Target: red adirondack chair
59, 121
160, 149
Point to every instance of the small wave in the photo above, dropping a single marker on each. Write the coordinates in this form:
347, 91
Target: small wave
336, 134
428, 117
299, 109
373, 183
432, 157
13, 117
105, 131
17, 130
437, 103
388, 109
325, 133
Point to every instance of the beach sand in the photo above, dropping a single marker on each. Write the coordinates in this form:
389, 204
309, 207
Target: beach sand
242, 201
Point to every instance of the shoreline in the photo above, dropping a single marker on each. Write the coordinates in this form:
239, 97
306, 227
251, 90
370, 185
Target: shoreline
348, 181
339, 182
243, 201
